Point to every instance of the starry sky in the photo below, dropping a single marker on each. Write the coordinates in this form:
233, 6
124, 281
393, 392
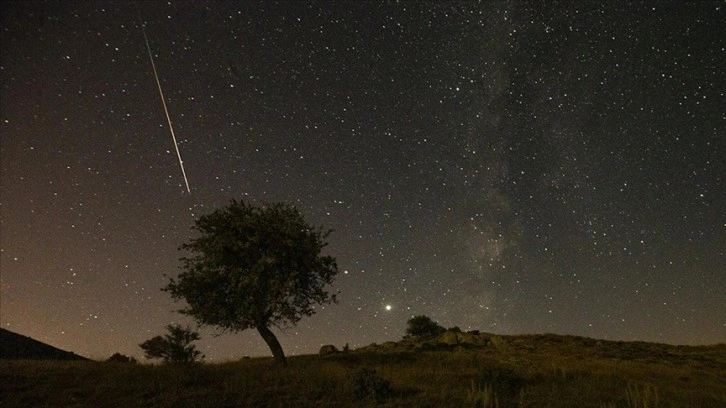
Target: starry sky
512, 167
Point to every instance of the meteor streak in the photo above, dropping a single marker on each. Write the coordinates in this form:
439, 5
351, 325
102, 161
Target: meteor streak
163, 102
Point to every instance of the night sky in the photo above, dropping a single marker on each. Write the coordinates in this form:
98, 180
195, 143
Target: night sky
510, 167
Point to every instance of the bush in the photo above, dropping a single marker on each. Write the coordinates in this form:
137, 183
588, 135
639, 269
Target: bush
423, 327
366, 383
175, 347
120, 358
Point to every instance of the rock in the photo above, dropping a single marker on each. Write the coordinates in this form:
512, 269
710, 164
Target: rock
460, 338
328, 350
450, 338
468, 338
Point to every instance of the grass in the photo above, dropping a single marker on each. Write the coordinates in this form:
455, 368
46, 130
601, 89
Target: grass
483, 397
530, 371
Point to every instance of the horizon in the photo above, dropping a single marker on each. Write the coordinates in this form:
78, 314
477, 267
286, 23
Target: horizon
141, 359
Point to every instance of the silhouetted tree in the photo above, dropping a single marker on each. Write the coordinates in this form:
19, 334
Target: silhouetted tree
422, 326
175, 347
120, 358
254, 267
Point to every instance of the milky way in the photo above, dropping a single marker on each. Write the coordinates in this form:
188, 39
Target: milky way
505, 166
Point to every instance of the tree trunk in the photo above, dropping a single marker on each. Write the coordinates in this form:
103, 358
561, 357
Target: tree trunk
269, 337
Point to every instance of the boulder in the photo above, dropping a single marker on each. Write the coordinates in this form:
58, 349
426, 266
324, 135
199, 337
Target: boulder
453, 338
449, 337
328, 350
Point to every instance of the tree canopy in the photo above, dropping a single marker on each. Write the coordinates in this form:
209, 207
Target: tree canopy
254, 267
175, 347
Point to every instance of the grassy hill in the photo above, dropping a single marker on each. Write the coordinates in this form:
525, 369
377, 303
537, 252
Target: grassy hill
452, 370
15, 346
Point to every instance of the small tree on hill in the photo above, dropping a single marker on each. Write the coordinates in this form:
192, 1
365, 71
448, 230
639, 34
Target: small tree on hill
422, 327
254, 268
120, 358
175, 347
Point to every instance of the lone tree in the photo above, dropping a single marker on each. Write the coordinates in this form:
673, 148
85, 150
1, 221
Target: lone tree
254, 267
422, 327
175, 347
120, 358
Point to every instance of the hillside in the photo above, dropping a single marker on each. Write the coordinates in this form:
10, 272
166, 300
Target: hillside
558, 345
452, 370
15, 346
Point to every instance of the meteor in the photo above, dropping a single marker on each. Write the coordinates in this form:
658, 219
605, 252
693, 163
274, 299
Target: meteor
163, 102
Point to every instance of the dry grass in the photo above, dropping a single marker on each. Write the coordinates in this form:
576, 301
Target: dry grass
524, 371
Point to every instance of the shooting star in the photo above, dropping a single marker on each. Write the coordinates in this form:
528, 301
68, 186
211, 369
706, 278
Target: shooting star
163, 102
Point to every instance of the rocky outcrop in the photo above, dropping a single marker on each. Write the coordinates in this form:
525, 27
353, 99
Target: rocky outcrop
328, 350
449, 340
453, 338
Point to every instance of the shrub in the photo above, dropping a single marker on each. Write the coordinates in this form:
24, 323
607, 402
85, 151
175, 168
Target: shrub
120, 358
175, 347
366, 383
